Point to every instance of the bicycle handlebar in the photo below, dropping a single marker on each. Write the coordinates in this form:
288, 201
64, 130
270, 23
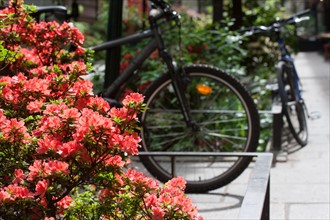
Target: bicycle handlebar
52, 8
166, 11
275, 25
295, 18
161, 4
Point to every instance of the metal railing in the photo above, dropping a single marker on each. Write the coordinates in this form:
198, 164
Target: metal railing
277, 116
255, 204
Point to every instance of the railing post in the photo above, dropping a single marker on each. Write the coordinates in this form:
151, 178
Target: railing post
277, 128
112, 62
173, 166
277, 118
266, 209
256, 200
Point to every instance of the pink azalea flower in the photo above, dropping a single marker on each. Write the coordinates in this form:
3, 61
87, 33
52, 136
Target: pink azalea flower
34, 106
15, 130
120, 113
133, 97
72, 113
82, 88
55, 166
19, 191
68, 148
65, 202
98, 103
4, 195
19, 176
178, 182
157, 213
114, 161
41, 188
130, 143
138, 177
55, 109
47, 143
150, 200
35, 170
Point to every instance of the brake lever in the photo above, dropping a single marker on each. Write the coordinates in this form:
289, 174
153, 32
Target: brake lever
305, 18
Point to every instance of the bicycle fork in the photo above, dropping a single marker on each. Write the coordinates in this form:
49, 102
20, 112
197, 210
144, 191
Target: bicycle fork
297, 84
295, 78
177, 83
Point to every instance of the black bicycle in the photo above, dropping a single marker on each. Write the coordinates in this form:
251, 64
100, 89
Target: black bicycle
289, 85
194, 108
191, 108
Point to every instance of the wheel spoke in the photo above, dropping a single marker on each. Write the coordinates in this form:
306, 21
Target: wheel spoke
169, 143
222, 121
225, 136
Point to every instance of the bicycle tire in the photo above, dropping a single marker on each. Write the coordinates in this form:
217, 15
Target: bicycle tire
294, 107
164, 121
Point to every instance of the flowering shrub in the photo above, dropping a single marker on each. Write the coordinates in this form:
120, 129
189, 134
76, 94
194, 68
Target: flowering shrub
64, 153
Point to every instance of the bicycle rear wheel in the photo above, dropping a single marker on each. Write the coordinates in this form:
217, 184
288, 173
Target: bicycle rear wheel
293, 107
227, 118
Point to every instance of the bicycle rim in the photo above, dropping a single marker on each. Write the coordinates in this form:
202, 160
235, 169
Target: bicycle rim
222, 109
294, 108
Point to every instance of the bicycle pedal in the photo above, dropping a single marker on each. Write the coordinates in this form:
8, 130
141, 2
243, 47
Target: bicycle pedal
314, 115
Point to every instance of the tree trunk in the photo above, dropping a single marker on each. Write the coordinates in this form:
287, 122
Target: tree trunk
114, 31
237, 13
217, 11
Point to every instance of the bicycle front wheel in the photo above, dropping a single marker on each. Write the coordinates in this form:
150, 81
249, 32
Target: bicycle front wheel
227, 121
293, 106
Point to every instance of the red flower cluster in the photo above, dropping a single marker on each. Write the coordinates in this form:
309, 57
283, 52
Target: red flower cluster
59, 144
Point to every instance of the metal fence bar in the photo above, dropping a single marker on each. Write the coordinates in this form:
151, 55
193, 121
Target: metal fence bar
277, 125
201, 154
256, 201
255, 204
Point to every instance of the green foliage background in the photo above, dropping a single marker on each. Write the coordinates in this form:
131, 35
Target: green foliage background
198, 40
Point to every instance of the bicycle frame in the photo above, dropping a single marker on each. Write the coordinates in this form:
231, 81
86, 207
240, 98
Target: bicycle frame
156, 42
286, 57
136, 62
276, 26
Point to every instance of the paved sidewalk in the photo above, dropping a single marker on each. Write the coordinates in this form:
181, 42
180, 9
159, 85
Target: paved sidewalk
299, 187
300, 184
